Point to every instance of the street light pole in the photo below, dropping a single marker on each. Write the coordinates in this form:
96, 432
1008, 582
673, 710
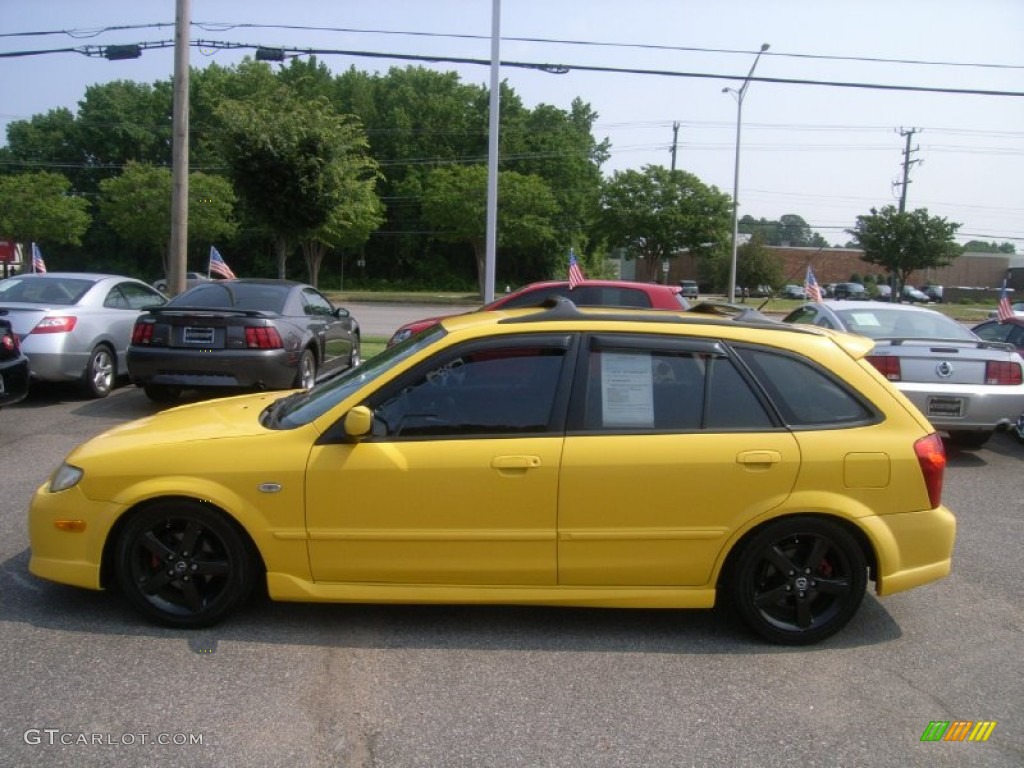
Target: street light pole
736, 170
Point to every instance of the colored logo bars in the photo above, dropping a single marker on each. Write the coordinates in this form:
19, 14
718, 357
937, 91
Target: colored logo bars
958, 730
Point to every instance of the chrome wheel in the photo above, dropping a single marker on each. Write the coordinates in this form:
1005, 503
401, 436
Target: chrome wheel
98, 378
799, 580
184, 564
305, 376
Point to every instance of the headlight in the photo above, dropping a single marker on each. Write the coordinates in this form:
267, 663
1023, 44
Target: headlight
65, 477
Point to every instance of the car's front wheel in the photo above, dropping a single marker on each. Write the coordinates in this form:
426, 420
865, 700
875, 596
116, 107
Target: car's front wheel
799, 580
184, 564
98, 377
355, 356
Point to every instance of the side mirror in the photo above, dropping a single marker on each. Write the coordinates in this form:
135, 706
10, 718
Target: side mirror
358, 422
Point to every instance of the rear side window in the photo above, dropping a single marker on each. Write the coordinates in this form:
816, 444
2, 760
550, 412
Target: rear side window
804, 394
667, 390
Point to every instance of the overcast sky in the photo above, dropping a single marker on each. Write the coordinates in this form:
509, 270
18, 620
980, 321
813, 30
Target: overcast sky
826, 153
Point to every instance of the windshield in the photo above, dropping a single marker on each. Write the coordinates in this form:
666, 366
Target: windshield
302, 408
902, 324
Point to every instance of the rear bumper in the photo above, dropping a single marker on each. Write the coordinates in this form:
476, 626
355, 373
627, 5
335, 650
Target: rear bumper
984, 407
912, 548
190, 368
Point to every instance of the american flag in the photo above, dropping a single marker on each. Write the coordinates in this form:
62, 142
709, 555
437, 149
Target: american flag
38, 265
811, 286
218, 265
575, 273
1005, 310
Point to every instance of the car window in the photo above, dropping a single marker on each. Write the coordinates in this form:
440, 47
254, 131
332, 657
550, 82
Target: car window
881, 323
534, 298
259, 296
132, 296
630, 387
315, 303
489, 390
804, 394
995, 331
802, 315
44, 290
610, 296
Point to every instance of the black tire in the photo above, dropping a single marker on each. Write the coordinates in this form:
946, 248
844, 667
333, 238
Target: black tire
355, 357
100, 372
968, 439
305, 374
161, 393
798, 580
184, 564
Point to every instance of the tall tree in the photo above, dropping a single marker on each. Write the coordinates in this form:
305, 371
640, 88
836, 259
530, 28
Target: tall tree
36, 207
137, 206
455, 204
903, 243
656, 213
292, 160
790, 229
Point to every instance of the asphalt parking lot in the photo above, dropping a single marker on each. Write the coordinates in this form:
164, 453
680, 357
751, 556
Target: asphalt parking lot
87, 682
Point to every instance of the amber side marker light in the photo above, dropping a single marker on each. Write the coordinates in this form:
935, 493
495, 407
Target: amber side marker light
70, 526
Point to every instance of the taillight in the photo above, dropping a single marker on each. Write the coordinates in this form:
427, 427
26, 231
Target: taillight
63, 324
1002, 373
10, 342
888, 366
263, 337
142, 333
931, 455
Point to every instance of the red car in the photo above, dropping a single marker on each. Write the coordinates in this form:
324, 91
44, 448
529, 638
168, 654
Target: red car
589, 293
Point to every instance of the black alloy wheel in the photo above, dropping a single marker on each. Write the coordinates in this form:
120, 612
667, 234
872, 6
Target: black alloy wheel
799, 580
184, 564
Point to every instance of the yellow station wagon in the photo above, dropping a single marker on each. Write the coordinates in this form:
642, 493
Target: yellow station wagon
552, 456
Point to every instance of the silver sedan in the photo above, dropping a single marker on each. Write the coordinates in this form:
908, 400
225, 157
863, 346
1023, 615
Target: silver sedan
965, 386
75, 326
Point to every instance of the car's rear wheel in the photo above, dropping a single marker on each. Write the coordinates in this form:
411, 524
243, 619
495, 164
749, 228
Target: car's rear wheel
184, 564
98, 377
161, 393
968, 439
799, 580
355, 356
305, 375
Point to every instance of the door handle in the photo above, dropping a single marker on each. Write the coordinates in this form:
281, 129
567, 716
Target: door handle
759, 458
515, 462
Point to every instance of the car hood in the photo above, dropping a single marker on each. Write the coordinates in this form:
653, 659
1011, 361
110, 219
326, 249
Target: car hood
221, 419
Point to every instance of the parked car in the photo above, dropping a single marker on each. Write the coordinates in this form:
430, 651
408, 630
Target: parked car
966, 386
526, 456
849, 291
884, 292
1017, 307
75, 326
1009, 332
690, 289
192, 279
933, 292
914, 296
793, 292
241, 333
589, 293
13, 367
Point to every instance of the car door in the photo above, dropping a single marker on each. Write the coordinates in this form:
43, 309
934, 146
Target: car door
458, 483
334, 334
669, 450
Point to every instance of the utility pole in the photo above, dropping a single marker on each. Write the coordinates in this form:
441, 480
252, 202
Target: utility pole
179, 153
675, 143
907, 162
